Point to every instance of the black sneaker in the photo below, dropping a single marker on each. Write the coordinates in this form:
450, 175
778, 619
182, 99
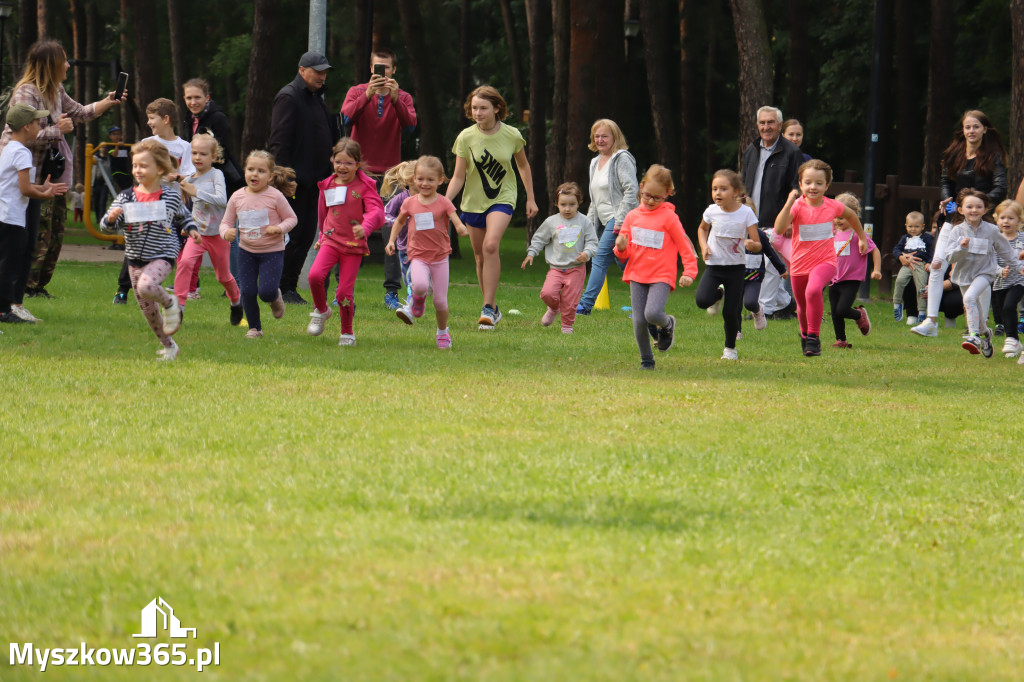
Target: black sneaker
41, 291
10, 318
653, 331
813, 346
647, 364
236, 314
121, 298
1000, 330
986, 343
803, 344
293, 298
667, 335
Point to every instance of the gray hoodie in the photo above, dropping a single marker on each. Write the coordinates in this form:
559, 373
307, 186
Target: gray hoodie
970, 266
563, 240
622, 184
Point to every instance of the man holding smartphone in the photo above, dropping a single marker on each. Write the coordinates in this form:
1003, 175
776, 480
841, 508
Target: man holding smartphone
378, 112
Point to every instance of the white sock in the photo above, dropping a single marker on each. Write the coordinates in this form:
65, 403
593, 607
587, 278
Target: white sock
442, 331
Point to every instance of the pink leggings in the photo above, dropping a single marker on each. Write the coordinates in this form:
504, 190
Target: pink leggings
810, 304
422, 274
151, 295
561, 291
348, 267
192, 256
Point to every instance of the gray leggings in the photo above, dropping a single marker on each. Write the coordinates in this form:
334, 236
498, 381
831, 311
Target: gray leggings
648, 302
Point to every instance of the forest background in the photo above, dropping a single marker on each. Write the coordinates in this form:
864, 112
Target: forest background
682, 78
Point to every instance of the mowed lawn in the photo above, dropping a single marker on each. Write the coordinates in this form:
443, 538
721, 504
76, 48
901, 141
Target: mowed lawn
528, 506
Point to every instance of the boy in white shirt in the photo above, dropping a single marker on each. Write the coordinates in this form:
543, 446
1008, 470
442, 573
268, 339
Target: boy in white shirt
160, 115
17, 174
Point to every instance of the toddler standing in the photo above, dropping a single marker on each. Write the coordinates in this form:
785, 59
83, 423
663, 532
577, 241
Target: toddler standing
569, 240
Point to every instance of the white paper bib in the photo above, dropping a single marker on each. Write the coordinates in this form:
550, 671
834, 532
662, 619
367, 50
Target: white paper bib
978, 246
815, 233
335, 196
424, 221
652, 239
145, 211
754, 261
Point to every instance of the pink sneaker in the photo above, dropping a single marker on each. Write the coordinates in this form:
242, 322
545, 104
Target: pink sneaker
864, 323
444, 340
417, 305
567, 330
842, 344
548, 317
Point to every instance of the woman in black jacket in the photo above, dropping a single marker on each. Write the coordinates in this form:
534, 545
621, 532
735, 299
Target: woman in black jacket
973, 160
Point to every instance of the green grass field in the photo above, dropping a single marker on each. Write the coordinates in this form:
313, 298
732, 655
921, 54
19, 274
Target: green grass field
528, 506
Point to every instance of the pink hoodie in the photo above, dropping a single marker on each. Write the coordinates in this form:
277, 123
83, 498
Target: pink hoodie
363, 206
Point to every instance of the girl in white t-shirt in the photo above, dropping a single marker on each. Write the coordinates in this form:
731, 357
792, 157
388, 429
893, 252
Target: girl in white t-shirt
727, 231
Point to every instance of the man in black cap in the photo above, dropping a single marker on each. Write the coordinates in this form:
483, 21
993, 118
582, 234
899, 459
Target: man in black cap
301, 137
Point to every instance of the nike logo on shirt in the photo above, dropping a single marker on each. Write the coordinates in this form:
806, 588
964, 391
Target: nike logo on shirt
489, 169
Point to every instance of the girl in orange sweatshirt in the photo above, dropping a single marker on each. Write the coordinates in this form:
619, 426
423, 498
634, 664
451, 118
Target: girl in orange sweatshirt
651, 239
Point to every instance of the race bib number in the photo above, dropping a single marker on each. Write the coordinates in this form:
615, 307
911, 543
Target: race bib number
730, 230
424, 221
251, 233
754, 261
145, 211
815, 233
843, 248
336, 196
978, 246
568, 234
652, 239
253, 220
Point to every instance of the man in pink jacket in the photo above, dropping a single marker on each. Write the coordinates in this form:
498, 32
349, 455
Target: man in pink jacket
378, 112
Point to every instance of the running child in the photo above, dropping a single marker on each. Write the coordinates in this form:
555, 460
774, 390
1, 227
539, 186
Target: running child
1008, 289
569, 240
264, 217
152, 216
349, 210
428, 244
973, 247
208, 191
395, 189
652, 239
813, 262
850, 268
728, 230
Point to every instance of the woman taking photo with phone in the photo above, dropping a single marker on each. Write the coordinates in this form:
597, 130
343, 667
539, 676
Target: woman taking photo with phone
40, 86
973, 160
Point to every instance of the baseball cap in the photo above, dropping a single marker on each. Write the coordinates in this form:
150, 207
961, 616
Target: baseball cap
21, 114
113, 129
315, 61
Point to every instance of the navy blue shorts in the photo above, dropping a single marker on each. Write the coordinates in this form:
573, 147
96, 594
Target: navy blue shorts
479, 220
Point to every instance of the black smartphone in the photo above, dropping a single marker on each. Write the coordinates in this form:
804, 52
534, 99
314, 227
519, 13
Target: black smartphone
122, 82
378, 70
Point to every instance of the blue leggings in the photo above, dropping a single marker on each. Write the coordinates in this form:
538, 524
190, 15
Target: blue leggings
258, 274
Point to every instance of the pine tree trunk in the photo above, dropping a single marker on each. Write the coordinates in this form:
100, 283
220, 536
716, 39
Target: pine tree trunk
560, 93
940, 118
518, 89
799, 59
42, 18
265, 33
78, 51
755, 60
711, 113
175, 30
130, 110
465, 71
427, 112
147, 61
1016, 132
908, 157
92, 53
538, 23
658, 26
28, 33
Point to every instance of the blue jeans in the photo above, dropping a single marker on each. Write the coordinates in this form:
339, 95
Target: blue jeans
599, 266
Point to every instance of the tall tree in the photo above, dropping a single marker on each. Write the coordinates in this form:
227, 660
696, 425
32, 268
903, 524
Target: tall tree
687, 116
413, 33
908, 84
940, 117
512, 42
799, 60
128, 113
755, 59
465, 71
364, 37
659, 23
177, 40
538, 25
28, 31
147, 61
1016, 136
261, 90
560, 93
92, 53
43, 18
78, 30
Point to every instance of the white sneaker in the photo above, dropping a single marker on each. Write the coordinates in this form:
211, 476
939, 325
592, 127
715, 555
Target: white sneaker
22, 312
911, 320
168, 354
730, 354
347, 340
926, 328
1011, 348
404, 313
172, 317
760, 321
316, 323
716, 307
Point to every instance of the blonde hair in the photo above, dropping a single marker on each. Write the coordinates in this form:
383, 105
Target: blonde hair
216, 151
1009, 205
281, 177
618, 139
661, 175
433, 163
915, 215
41, 64
850, 201
490, 94
397, 177
158, 152
815, 164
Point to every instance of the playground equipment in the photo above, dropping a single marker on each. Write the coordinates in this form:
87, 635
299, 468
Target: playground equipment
92, 159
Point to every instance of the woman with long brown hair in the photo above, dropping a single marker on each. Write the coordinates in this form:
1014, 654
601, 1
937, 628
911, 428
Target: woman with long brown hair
40, 87
973, 160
